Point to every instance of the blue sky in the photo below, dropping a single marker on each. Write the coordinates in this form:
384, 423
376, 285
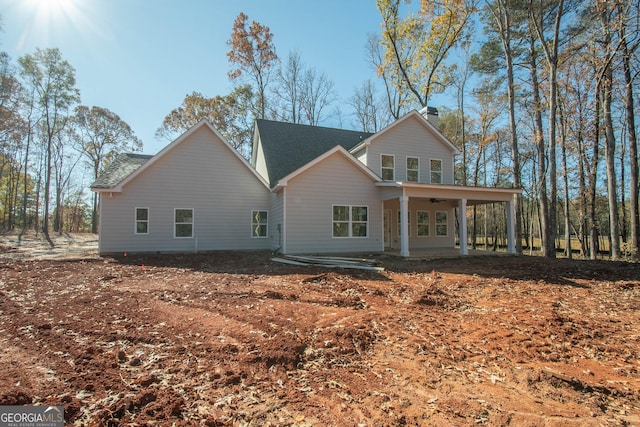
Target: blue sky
139, 58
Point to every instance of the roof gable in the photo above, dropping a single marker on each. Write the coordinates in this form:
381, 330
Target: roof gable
337, 149
414, 114
123, 176
286, 147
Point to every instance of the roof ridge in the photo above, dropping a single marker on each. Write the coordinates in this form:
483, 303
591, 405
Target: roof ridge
314, 126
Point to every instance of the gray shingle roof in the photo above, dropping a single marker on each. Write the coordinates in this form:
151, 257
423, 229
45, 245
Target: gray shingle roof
289, 146
121, 167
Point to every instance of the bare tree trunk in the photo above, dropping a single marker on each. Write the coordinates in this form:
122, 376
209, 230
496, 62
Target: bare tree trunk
565, 173
502, 16
593, 229
633, 143
610, 149
545, 224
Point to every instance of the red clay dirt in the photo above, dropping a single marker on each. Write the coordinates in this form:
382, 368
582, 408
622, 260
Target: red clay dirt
235, 339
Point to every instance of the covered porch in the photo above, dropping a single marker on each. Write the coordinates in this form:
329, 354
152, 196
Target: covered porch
421, 217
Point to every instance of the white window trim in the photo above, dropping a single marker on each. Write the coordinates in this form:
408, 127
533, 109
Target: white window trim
350, 222
394, 167
136, 221
446, 224
266, 224
407, 168
408, 222
428, 224
431, 172
193, 222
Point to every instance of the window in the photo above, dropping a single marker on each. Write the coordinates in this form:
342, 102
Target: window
408, 223
350, 221
413, 168
423, 223
259, 224
142, 220
436, 171
441, 224
183, 223
388, 168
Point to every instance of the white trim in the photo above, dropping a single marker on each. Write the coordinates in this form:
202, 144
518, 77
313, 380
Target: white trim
399, 219
404, 235
283, 227
406, 171
135, 221
193, 222
463, 232
253, 211
382, 167
100, 217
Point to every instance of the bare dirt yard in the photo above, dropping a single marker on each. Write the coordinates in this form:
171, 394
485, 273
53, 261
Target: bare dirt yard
236, 339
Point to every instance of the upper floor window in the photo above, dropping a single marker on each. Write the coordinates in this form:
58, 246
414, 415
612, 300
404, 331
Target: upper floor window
142, 220
183, 223
413, 169
436, 171
387, 163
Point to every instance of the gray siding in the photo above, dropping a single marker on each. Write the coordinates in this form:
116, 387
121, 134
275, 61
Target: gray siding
411, 139
276, 220
202, 174
310, 198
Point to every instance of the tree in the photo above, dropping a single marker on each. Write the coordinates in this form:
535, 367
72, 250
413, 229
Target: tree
502, 13
100, 135
317, 95
229, 115
628, 34
368, 108
396, 94
416, 46
604, 12
253, 54
52, 81
303, 94
550, 49
288, 91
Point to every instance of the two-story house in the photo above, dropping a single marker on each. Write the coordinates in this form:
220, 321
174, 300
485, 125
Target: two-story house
307, 189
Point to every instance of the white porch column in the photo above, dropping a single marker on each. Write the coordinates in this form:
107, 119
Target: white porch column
511, 227
462, 208
404, 226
